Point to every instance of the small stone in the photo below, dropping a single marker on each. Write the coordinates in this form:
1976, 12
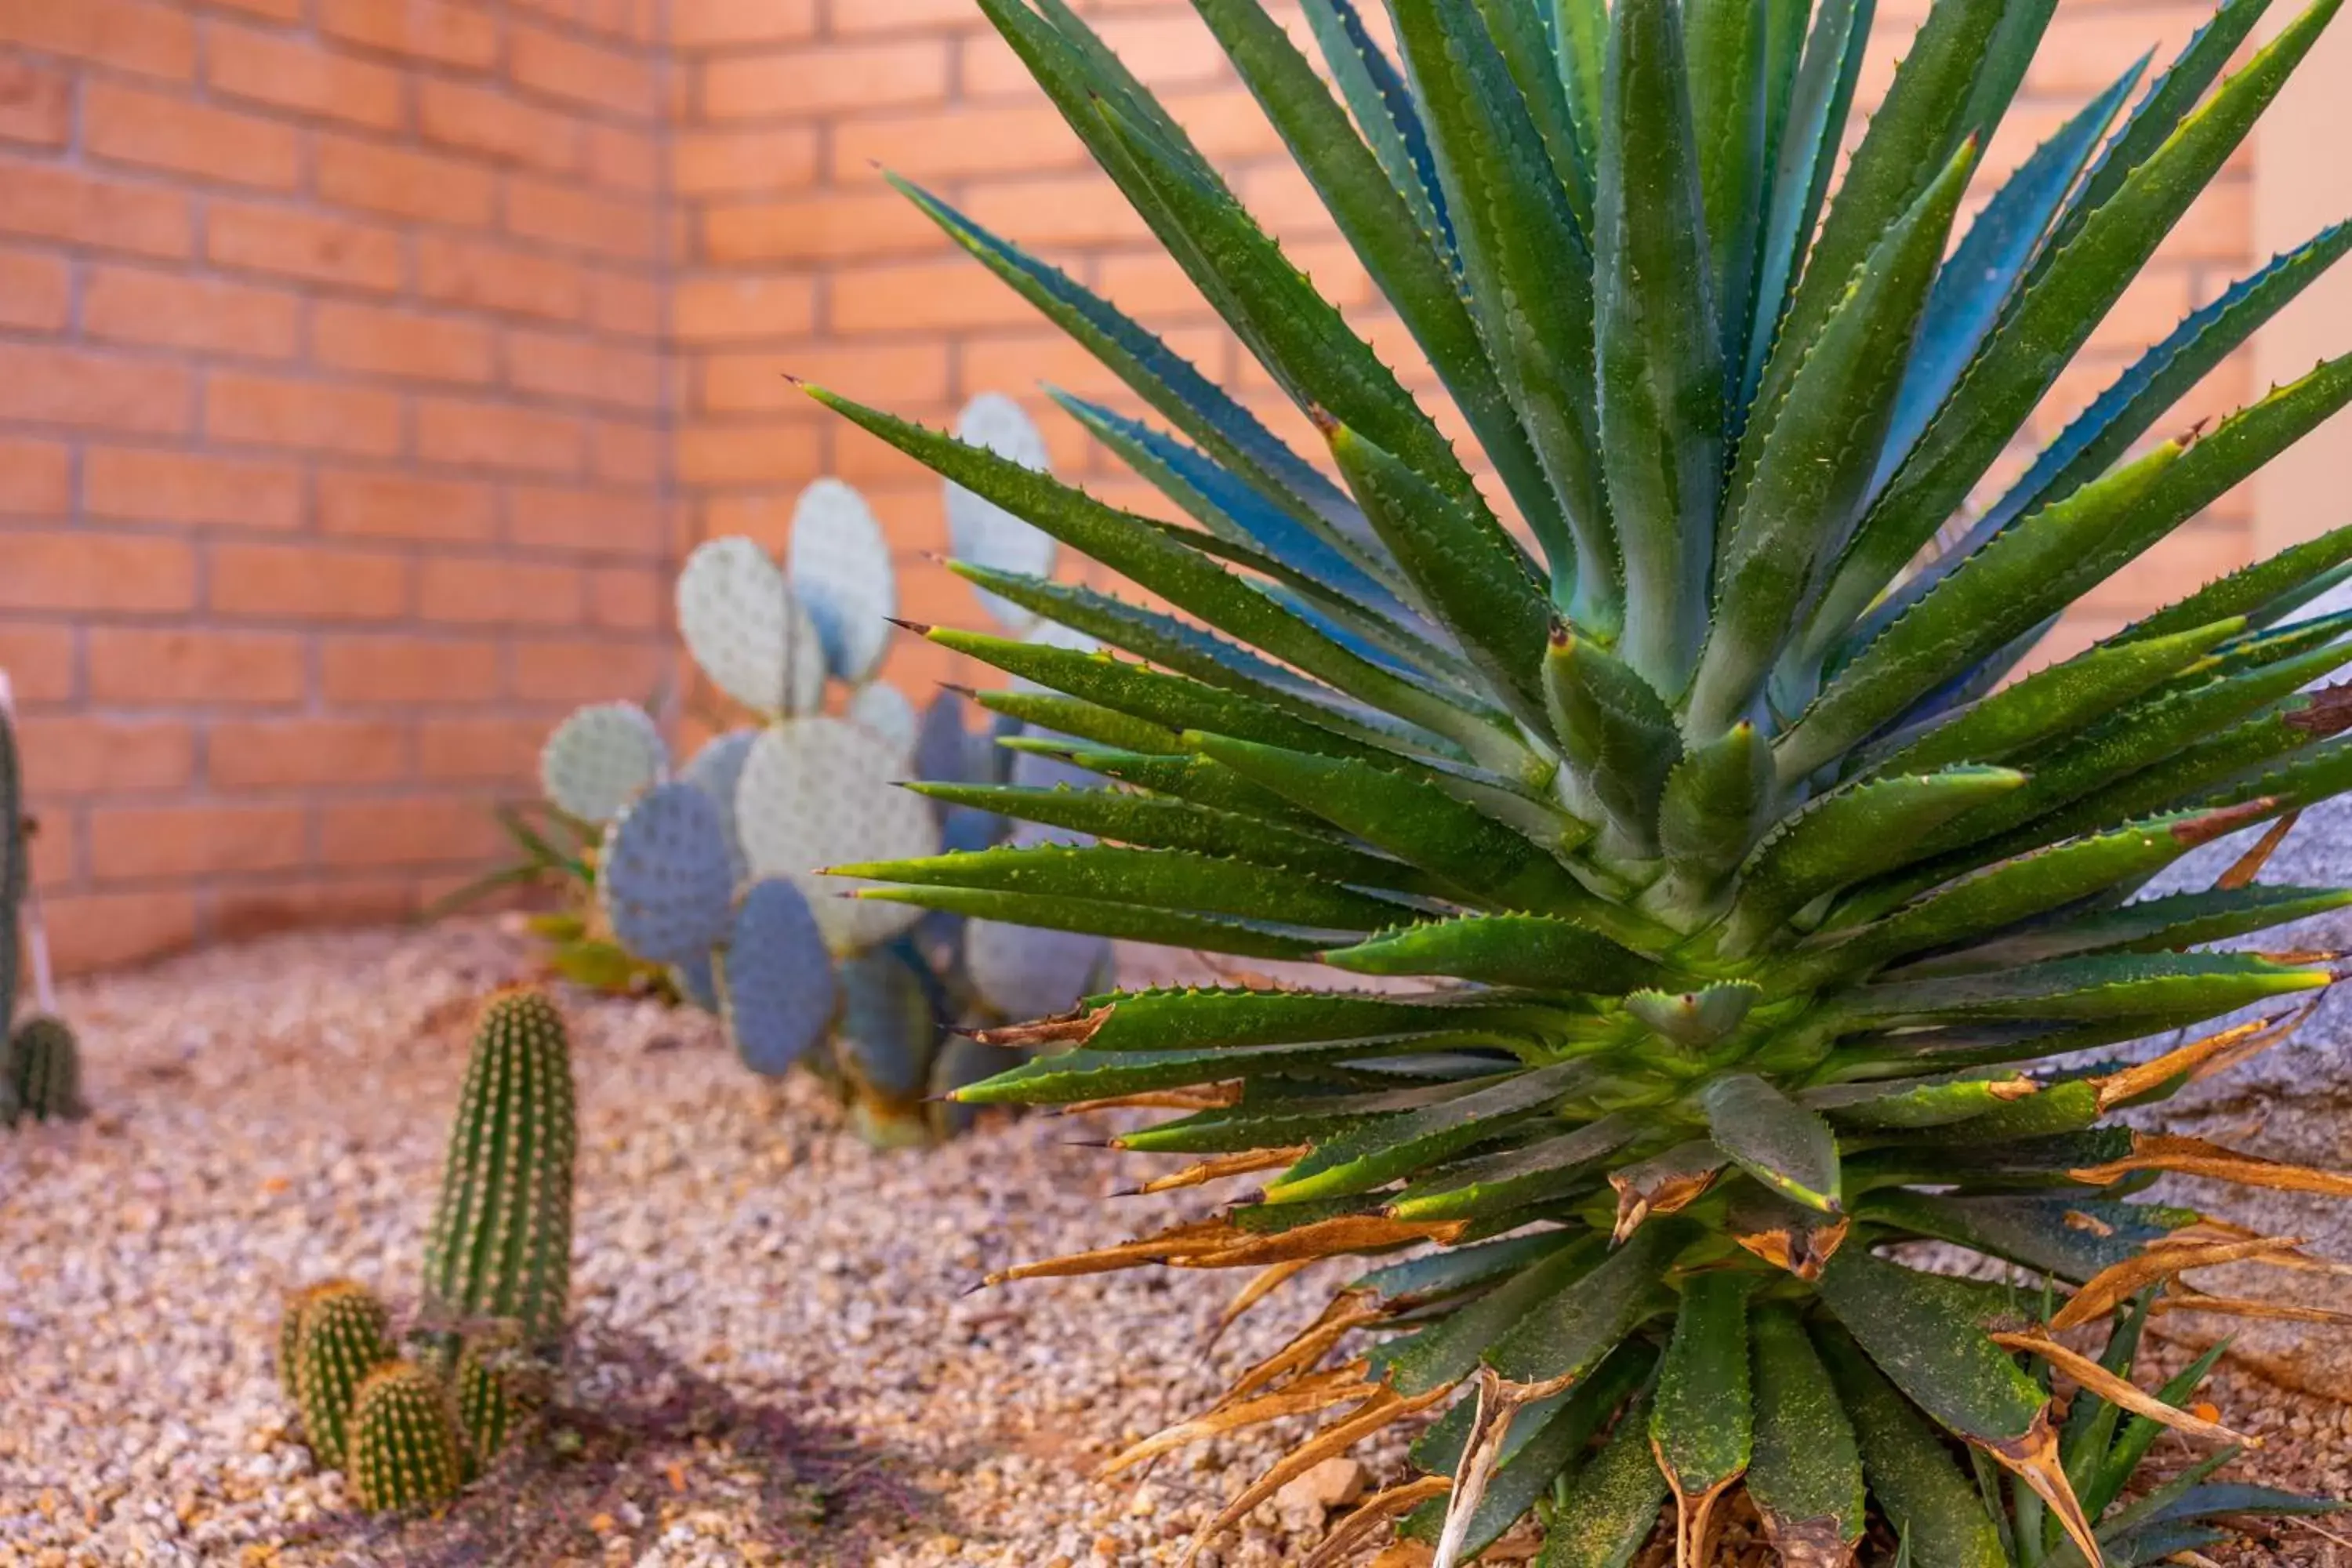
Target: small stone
1334, 1483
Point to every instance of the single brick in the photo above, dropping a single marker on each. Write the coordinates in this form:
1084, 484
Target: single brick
564, 215
404, 183
144, 484
401, 505
47, 201
829, 224
742, 162
136, 125
584, 369
486, 274
104, 931
78, 754
307, 582
298, 754
408, 830
309, 246
126, 35
499, 435
178, 667
739, 454
141, 305
402, 341
312, 416
704, 24
298, 74
35, 103
470, 590
36, 477
44, 386
36, 292
450, 34
591, 75
558, 517
146, 843
493, 122
800, 83
408, 669
717, 309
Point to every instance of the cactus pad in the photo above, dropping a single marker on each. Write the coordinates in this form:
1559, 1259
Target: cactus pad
716, 769
340, 1334
885, 711
820, 792
776, 984
747, 630
889, 1026
601, 759
984, 533
500, 1246
961, 1061
404, 1449
668, 876
1027, 973
43, 1072
696, 979
941, 743
839, 566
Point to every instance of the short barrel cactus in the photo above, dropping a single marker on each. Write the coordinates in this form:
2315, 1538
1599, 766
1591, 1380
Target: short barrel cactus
405, 1448
1748, 913
15, 863
710, 871
332, 1337
40, 1072
501, 1243
40, 1058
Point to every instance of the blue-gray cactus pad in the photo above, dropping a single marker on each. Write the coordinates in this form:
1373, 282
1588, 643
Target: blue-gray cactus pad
776, 984
716, 769
667, 875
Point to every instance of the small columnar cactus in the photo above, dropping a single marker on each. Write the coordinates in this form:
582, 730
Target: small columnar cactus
43, 1073
489, 1392
713, 872
15, 867
500, 1246
338, 1332
406, 1451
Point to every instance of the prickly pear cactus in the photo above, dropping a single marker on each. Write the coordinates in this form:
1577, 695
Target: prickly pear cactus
500, 1246
339, 1332
713, 871
43, 1072
406, 1451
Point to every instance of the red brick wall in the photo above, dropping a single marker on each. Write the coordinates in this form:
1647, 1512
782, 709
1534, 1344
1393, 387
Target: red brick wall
357, 355
796, 256
333, 447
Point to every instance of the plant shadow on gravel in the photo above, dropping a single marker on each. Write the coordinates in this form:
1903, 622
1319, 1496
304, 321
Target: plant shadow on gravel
640, 1443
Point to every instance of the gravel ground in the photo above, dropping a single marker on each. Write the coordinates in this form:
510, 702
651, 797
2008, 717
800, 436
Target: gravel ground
776, 1364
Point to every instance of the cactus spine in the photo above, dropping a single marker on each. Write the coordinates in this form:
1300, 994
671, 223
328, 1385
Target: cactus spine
340, 1334
500, 1245
405, 1448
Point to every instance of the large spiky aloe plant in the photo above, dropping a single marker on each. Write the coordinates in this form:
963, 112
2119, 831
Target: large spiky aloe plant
1754, 914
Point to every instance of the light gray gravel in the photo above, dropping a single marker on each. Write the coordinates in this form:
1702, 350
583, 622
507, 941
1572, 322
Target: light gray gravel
776, 1364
